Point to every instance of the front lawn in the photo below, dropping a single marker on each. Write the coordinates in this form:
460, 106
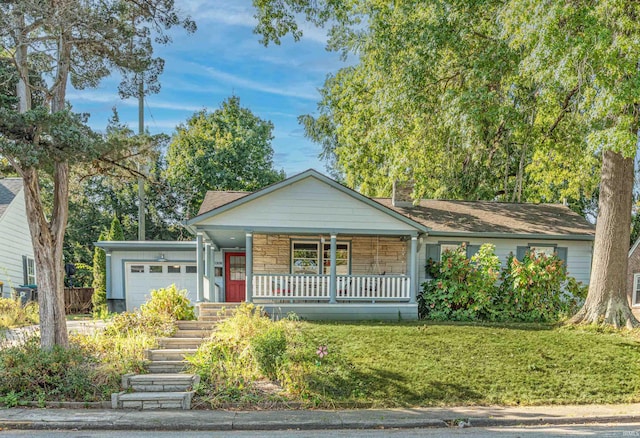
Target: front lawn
418, 364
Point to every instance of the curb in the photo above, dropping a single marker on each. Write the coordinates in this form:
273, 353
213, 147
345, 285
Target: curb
229, 421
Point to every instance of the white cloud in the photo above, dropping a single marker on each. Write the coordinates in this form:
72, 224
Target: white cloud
300, 90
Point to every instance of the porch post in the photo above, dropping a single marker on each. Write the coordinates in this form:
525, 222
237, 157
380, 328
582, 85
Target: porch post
333, 280
412, 270
207, 252
249, 267
200, 267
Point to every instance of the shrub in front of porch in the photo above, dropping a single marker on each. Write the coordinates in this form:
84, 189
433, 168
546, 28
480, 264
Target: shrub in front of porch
537, 289
247, 350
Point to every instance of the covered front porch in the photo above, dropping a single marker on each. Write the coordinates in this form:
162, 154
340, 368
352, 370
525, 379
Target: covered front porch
311, 246
311, 274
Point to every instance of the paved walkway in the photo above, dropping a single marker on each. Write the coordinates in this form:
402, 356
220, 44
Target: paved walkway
107, 419
19, 335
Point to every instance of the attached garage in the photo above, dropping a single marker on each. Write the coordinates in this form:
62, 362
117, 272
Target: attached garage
134, 268
141, 278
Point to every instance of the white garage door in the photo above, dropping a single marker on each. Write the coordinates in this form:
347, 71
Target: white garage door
141, 278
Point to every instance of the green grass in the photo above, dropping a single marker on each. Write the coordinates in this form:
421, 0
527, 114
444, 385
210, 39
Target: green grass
418, 364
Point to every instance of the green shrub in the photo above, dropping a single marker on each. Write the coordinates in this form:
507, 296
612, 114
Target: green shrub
245, 348
269, 349
534, 290
132, 323
169, 301
14, 314
30, 373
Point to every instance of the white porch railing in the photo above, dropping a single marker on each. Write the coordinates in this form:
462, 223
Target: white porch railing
317, 287
291, 286
373, 287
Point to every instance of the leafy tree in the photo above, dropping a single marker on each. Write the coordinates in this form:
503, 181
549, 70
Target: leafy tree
227, 149
79, 42
590, 49
446, 88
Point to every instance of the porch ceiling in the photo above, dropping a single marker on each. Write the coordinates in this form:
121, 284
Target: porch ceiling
227, 238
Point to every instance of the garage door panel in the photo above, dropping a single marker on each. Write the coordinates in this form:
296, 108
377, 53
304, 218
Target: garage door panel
142, 277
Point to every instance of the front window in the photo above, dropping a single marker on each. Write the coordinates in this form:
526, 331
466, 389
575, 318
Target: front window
306, 258
451, 247
546, 250
636, 289
342, 258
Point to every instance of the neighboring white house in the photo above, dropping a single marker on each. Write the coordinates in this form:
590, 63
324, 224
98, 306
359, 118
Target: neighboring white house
17, 265
312, 246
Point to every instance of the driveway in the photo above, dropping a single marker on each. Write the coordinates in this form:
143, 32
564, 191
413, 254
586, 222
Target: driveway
17, 336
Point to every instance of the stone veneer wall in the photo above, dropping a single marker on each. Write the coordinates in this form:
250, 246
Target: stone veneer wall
369, 255
633, 267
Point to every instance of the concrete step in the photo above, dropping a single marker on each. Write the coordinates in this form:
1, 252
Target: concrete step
152, 400
195, 325
192, 334
173, 343
167, 366
167, 382
212, 318
215, 309
169, 354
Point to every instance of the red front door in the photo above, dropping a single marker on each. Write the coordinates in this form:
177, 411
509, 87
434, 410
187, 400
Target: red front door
235, 276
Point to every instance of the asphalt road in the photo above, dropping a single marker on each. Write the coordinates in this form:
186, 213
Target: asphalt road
594, 430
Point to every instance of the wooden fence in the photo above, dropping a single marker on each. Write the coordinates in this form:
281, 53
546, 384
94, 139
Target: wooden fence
77, 299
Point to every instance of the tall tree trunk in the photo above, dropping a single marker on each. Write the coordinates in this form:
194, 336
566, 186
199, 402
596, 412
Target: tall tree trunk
607, 298
47, 248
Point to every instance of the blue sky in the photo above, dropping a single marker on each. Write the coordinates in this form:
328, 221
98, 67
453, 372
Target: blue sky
222, 58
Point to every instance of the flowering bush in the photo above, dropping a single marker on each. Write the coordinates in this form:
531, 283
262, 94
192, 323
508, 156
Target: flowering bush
536, 289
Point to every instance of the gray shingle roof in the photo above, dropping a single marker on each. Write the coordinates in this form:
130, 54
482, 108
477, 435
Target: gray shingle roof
467, 216
214, 199
495, 217
9, 188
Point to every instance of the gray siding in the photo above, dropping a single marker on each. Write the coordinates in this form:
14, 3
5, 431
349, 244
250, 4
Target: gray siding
15, 242
312, 204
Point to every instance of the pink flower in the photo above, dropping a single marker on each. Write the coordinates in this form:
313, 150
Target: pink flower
322, 351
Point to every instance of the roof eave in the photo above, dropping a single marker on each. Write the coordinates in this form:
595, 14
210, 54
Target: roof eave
501, 235
146, 245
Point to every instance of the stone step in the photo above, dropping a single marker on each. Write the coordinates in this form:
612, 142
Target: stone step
169, 354
167, 366
152, 400
167, 382
179, 342
195, 325
192, 334
215, 309
212, 318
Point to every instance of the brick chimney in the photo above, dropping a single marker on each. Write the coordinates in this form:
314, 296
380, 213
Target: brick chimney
402, 191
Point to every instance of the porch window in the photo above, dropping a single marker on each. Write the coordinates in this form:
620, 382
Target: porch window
307, 257
636, 289
342, 259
